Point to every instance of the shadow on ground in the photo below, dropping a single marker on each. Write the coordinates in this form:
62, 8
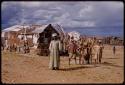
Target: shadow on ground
77, 68
90, 66
111, 58
110, 64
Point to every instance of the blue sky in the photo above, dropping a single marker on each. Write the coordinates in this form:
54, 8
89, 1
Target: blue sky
80, 14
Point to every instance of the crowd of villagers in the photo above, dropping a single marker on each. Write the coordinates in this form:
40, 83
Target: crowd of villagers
88, 50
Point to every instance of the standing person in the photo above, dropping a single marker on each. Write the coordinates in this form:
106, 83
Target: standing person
55, 47
101, 47
114, 50
81, 53
89, 51
6, 44
3, 43
72, 47
96, 52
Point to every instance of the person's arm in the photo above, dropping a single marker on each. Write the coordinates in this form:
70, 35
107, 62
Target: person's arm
60, 46
50, 46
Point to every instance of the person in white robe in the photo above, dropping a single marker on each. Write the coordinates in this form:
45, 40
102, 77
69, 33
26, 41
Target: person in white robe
95, 52
54, 48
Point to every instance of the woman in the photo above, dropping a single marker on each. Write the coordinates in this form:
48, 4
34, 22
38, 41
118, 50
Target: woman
54, 48
95, 52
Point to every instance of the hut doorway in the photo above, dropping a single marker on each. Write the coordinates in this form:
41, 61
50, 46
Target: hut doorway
44, 40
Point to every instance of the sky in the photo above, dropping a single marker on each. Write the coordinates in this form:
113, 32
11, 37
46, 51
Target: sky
70, 15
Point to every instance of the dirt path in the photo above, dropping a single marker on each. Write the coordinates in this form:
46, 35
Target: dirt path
31, 68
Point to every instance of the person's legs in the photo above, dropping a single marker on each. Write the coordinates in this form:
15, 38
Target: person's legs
114, 51
97, 59
70, 56
85, 58
69, 61
52, 68
80, 59
56, 68
74, 57
88, 59
100, 57
91, 58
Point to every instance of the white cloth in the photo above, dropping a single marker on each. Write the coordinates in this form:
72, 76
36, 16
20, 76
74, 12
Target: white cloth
54, 34
95, 51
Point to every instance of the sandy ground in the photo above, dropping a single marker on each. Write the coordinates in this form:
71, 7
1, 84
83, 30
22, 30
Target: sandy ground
31, 68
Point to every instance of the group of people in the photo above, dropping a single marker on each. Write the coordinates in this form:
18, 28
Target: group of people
12, 45
86, 49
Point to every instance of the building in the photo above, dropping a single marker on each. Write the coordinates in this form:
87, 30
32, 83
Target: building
13, 35
44, 35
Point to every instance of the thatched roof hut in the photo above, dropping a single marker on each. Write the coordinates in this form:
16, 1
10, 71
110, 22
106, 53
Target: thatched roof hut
44, 36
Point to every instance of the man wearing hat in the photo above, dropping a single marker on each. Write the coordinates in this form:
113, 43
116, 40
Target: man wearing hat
54, 48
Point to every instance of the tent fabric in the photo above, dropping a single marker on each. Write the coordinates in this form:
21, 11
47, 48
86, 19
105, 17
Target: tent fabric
74, 34
15, 28
2, 34
12, 28
25, 26
35, 38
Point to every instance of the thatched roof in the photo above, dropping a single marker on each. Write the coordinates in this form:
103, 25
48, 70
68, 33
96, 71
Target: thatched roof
57, 27
40, 29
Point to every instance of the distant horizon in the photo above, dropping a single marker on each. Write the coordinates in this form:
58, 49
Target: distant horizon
95, 31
